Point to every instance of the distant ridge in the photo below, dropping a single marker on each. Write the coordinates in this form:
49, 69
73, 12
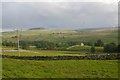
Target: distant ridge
94, 29
36, 28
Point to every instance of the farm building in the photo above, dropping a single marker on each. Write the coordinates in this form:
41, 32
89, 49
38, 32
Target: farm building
82, 44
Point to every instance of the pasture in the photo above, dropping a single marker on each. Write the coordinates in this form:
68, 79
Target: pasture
15, 68
44, 53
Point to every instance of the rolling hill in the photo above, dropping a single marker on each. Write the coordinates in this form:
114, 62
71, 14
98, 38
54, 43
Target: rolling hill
88, 35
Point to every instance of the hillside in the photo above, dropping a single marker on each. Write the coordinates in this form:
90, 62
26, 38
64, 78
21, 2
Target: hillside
107, 35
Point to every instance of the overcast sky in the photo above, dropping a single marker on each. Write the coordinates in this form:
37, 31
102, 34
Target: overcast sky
58, 15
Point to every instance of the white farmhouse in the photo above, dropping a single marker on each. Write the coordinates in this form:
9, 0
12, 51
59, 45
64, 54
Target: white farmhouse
82, 44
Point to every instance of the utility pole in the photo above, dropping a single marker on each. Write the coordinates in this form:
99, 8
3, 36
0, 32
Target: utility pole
18, 42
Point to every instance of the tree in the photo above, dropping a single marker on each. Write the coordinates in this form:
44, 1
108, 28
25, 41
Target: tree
99, 43
118, 49
89, 43
111, 47
44, 44
11, 44
92, 49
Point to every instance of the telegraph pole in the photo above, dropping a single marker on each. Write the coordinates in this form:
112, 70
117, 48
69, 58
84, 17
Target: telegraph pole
18, 42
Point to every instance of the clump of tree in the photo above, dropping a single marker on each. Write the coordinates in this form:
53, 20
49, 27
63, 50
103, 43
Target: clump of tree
92, 49
111, 47
99, 43
72, 43
9, 44
38, 44
25, 44
119, 48
44, 44
89, 43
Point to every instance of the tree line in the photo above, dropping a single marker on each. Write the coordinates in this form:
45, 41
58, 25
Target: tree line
108, 47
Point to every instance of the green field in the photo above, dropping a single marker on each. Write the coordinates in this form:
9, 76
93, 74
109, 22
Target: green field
46, 53
13, 68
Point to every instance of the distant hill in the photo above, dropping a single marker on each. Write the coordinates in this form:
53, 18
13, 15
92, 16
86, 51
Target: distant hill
97, 29
36, 28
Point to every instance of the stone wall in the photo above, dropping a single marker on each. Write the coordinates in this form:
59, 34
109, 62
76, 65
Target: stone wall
88, 57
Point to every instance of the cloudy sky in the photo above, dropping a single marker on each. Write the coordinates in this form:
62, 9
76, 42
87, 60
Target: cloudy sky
58, 15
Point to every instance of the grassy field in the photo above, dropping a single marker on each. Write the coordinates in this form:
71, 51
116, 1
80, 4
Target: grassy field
13, 68
45, 53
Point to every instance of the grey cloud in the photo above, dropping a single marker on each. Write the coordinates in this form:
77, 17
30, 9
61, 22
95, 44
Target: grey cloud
59, 15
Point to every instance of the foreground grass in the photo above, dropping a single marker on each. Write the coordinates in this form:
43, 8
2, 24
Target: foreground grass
14, 68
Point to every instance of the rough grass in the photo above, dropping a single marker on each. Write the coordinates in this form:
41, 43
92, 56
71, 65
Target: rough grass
13, 68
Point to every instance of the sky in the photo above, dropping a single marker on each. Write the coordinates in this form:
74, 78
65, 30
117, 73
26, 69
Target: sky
19, 14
